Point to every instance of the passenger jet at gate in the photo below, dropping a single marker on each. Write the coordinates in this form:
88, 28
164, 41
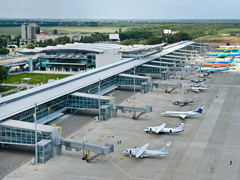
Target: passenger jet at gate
143, 152
183, 115
161, 129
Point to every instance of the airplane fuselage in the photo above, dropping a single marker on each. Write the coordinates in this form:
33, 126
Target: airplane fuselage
164, 130
179, 113
146, 153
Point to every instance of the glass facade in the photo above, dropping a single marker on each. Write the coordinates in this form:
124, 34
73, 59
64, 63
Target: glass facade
23, 136
45, 151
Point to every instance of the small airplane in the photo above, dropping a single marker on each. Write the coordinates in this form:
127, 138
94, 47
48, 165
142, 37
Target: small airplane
215, 69
202, 75
161, 129
183, 115
182, 102
198, 80
197, 89
197, 84
143, 152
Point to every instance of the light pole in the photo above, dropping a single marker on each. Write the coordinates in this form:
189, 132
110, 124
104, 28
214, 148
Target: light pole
134, 83
35, 121
99, 103
200, 47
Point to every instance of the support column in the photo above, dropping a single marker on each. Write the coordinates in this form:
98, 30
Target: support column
21, 68
30, 64
8, 70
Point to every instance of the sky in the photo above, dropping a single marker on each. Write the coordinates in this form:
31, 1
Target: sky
120, 9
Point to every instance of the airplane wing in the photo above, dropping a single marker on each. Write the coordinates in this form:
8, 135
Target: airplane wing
195, 89
160, 128
141, 150
182, 104
183, 116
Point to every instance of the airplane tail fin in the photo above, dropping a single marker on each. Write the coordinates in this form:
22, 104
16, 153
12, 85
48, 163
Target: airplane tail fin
180, 127
166, 148
200, 110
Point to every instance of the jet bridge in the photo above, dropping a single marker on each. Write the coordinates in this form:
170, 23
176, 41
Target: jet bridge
166, 74
133, 109
85, 146
79, 100
165, 86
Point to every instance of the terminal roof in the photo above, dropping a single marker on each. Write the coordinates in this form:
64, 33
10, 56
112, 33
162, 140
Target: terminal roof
28, 125
19, 102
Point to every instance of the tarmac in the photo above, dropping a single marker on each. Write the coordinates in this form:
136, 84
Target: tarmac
13, 156
203, 151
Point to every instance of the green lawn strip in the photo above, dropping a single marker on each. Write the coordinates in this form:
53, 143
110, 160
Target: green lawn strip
62, 29
6, 88
82, 29
8, 94
37, 78
229, 31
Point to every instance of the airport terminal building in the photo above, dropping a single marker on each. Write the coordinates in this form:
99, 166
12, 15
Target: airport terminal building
80, 57
112, 66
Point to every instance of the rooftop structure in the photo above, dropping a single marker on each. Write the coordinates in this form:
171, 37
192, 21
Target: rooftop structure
15, 105
43, 36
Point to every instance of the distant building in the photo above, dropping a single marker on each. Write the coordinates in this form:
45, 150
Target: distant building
45, 33
175, 32
114, 37
83, 56
45, 36
167, 31
29, 32
13, 37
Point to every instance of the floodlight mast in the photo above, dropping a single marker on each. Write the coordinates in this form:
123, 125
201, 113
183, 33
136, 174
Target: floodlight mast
134, 82
99, 103
35, 121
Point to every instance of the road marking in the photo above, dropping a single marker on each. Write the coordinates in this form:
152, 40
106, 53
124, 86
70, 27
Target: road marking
122, 157
226, 151
101, 138
131, 177
201, 162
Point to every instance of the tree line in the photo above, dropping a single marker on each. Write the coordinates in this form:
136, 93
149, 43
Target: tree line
95, 37
3, 45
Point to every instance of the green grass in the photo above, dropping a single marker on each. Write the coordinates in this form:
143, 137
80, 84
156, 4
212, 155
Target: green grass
229, 31
210, 36
6, 88
8, 94
10, 30
60, 29
82, 29
37, 78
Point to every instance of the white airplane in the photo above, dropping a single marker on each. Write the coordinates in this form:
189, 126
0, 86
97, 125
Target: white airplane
202, 75
182, 102
143, 152
197, 89
161, 129
198, 84
183, 115
198, 80
215, 69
